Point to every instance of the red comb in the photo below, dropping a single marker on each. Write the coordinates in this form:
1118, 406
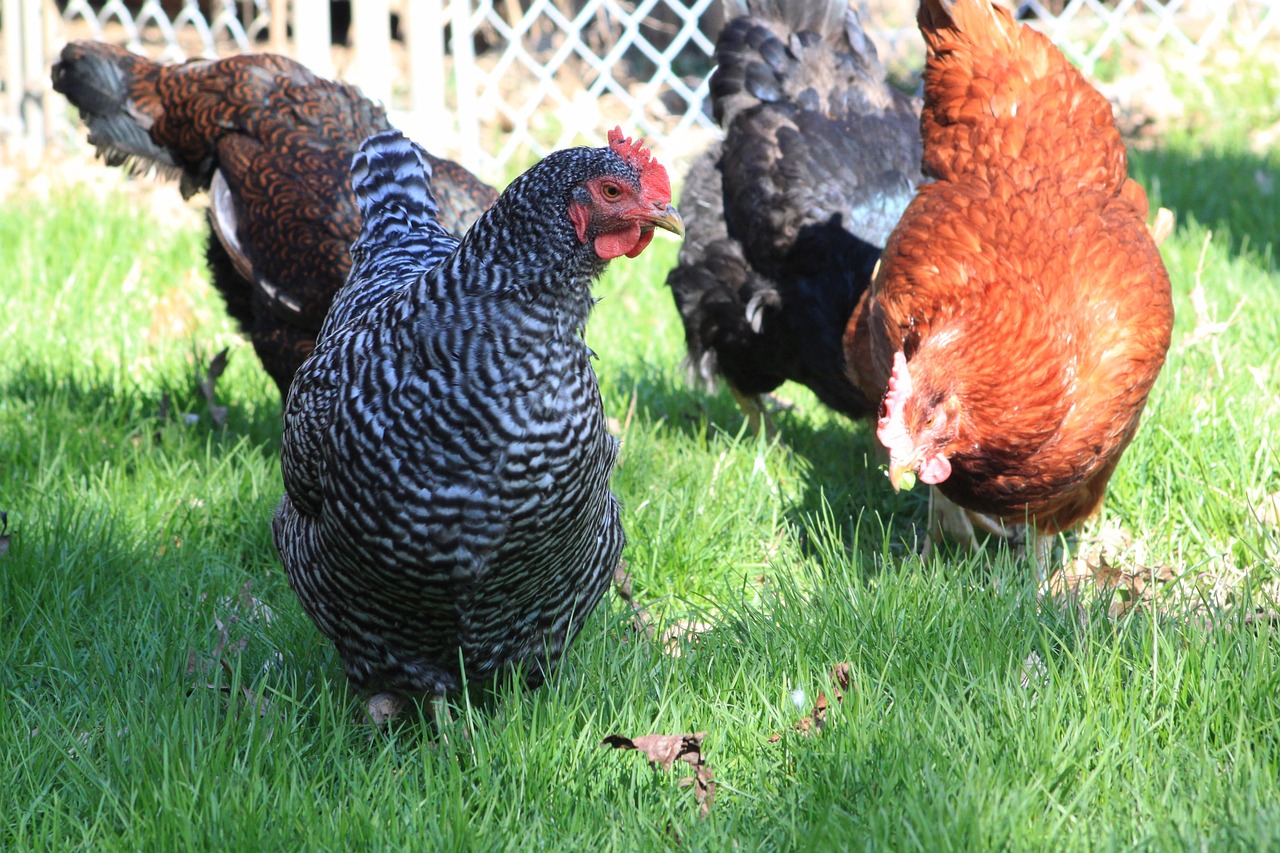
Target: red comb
633, 152
653, 175
891, 428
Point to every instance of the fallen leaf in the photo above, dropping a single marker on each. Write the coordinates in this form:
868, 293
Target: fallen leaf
1268, 511
384, 707
683, 633
842, 675
842, 679
254, 701
208, 386
664, 750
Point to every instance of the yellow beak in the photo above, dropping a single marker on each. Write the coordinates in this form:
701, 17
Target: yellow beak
670, 220
902, 476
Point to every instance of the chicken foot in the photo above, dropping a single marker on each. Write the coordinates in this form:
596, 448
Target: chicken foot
950, 521
758, 415
384, 707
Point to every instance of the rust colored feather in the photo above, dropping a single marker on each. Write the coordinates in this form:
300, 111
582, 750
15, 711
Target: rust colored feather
1022, 285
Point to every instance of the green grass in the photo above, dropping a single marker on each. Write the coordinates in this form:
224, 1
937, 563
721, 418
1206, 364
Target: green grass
140, 556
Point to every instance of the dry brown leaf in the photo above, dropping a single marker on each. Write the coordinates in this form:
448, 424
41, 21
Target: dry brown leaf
384, 707
665, 750
1269, 510
662, 750
842, 679
682, 633
208, 386
842, 675
1108, 563
253, 700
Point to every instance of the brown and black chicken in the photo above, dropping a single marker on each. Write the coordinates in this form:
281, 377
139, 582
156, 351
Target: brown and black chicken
273, 144
445, 458
787, 215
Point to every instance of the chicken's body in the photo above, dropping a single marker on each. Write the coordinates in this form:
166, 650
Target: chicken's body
445, 457
273, 143
788, 214
1022, 311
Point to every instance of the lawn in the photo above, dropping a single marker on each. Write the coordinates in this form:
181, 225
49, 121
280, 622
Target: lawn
162, 689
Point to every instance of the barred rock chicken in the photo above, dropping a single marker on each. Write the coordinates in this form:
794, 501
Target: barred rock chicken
788, 214
273, 143
1021, 312
445, 458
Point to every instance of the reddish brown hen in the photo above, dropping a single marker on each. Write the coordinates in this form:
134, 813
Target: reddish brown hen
1021, 312
273, 144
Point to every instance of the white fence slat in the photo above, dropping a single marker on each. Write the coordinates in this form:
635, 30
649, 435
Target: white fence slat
371, 24
311, 35
464, 66
427, 120
521, 76
13, 74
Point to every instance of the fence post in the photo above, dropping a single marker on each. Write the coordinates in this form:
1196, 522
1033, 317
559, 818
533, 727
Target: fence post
26, 78
424, 42
371, 30
464, 72
311, 35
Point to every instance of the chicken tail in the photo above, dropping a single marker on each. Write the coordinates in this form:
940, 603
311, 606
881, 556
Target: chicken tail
998, 92
401, 232
116, 94
778, 50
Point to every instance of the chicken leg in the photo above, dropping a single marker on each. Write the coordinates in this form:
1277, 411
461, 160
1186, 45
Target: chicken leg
952, 522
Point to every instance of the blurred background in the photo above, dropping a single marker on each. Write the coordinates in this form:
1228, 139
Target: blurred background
498, 83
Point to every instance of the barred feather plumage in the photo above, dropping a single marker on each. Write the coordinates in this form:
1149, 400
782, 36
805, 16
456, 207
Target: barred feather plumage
445, 456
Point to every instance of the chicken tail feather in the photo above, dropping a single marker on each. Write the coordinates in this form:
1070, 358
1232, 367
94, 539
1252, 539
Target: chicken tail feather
114, 90
400, 230
779, 49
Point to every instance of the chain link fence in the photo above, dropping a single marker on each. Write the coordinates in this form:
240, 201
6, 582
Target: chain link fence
496, 83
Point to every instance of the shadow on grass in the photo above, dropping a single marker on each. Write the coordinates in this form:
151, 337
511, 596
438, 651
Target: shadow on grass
117, 400
1234, 193
841, 492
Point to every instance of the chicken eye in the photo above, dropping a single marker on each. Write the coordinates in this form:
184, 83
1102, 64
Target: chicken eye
611, 191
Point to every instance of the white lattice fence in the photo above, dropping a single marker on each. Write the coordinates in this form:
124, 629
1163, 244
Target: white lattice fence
558, 71
182, 29
520, 77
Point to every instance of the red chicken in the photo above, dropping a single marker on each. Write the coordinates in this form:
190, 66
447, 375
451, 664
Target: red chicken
1021, 311
273, 143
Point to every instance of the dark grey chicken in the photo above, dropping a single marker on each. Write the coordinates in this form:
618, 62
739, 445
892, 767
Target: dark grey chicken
788, 214
445, 458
